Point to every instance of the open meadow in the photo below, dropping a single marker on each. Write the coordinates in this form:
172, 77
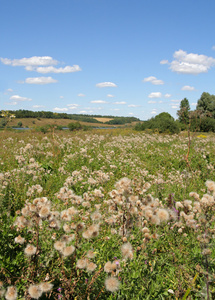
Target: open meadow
107, 214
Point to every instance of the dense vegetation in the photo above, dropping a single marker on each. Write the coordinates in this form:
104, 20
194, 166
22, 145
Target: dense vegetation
77, 117
202, 119
107, 215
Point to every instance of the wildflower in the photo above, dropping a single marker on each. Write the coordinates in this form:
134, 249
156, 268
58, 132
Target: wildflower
112, 284
35, 291
96, 216
30, 250
11, 293
210, 185
67, 251
126, 250
44, 211
163, 215
19, 240
108, 268
46, 286
80, 227
81, 263
66, 228
91, 267
59, 245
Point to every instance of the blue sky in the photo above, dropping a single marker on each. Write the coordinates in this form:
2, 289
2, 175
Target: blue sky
124, 58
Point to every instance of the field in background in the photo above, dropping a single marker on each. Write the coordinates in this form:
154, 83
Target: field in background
32, 122
107, 214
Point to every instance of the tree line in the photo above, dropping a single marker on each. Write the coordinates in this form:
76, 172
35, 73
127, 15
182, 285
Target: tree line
77, 117
200, 119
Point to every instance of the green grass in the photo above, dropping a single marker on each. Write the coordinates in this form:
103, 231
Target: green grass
168, 259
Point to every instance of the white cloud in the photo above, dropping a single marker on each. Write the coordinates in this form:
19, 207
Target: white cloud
131, 114
120, 102
191, 63
81, 95
193, 104
31, 61
9, 90
110, 96
12, 103
155, 95
175, 106
40, 80
98, 101
72, 106
38, 106
152, 102
164, 62
213, 48
19, 98
83, 112
106, 84
153, 80
133, 105
175, 101
167, 95
61, 97
51, 69
60, 109
187, 88
154, 112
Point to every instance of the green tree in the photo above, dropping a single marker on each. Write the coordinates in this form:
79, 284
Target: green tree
206, 104
183, 112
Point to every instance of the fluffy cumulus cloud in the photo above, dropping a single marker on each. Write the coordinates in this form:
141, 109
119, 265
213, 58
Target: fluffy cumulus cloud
40, 64
38, 106
31, 61
187, 88
191, 63
51, 69
153, 80
19, 98
133, 105
120, 102
155, 95
167, 95
154, 112
110, 96
164, 62
64, 109
81, 95
98, 101
106, 84
40, 80
152, 102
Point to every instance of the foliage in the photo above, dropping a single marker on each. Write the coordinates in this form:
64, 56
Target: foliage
100, 194
206, 104
162, 123
77, 117
183, 113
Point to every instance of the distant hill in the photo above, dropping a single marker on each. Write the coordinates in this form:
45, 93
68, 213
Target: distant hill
38, 115
41, 118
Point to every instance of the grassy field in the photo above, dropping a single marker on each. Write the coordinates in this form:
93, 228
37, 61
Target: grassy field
107, 214
33, 122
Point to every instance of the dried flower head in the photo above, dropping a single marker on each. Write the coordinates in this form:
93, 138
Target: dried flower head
19, 240
35, 291
11, 293
46, 287
112, 284
30, 250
